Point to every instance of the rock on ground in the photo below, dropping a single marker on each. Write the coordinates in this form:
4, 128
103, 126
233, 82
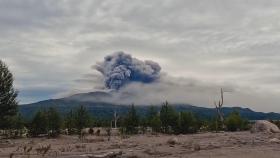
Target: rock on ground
264, 126
173, 141
274, 140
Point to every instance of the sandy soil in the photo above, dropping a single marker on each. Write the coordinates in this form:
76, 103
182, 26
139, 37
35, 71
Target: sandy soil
205, 145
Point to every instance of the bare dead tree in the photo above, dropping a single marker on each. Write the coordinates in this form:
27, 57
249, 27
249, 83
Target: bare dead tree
219, 107
116, 117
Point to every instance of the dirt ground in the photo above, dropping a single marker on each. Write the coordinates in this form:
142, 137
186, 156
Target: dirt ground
204, 145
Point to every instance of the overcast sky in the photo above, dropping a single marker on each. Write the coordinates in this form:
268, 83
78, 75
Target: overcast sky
50, 45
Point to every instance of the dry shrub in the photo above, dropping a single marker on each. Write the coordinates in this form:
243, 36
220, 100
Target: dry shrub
80, 146
196, 147
43, 149
98, 132
66, 149
27, 149
91, 131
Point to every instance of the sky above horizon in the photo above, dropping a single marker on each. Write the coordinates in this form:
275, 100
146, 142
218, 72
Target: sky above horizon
201, 46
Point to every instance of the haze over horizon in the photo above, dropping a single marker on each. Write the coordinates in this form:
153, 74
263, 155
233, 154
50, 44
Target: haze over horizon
52, 48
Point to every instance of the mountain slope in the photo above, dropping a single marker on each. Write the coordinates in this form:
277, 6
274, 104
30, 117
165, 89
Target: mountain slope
96, 103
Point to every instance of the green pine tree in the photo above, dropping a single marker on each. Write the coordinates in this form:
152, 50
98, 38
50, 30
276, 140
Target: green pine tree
39, 124
188, 123
131, 121
8, 102
17, 124
69, 122
155, 123
152, 112
169, 118
235, 122
54, 122
82, 118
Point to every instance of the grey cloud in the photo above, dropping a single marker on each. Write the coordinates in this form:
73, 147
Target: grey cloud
218, 42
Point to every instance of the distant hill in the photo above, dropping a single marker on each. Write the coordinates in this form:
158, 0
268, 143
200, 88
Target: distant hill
94, 102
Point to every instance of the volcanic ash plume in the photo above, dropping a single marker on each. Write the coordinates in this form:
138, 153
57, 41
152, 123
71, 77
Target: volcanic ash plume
120, 69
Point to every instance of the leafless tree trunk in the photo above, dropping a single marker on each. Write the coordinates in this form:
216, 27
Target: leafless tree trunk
219, 107
115, 120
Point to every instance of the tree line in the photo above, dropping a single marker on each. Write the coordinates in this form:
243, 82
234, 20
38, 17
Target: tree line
167, 120
49, 122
